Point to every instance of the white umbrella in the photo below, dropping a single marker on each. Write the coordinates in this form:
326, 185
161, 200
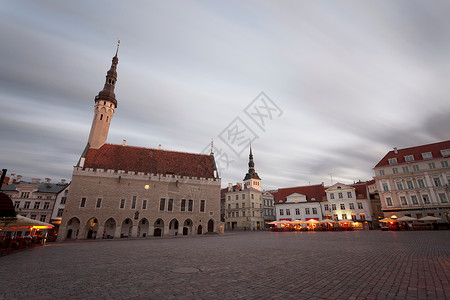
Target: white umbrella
345, 221
312, 221
272, 223
406, 218
387, 220
328, 221
429, 218
25, 222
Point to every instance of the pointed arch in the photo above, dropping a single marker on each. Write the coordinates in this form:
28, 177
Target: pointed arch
211, 225
72, 228
143, 227
109, 229
158, 227
173, 227
126, 228
91, 228
187, 227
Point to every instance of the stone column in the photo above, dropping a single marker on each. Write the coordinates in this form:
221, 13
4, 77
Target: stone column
134, 230
151, 230
100, 229
61, 234
117, 231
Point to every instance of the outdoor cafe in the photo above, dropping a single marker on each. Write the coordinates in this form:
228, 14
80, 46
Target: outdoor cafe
313, 225
21, 232
409, 223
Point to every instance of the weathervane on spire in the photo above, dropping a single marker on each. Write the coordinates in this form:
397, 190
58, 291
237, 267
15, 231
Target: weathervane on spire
212, 146
118, 44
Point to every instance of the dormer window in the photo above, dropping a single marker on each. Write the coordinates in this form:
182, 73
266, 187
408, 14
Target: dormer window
445, 152
409, 158
392, 161
427, 155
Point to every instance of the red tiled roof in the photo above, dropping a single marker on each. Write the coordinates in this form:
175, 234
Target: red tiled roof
417, 151
139, 159
311, 191
370, 182
360, 189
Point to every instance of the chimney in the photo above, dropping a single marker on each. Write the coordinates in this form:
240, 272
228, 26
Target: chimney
230, 187
47, 180
124, 142
63, 181
19, 178
11, 178
35, 180
159, 147
395, 150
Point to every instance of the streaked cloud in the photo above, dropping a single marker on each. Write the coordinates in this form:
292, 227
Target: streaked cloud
353, 78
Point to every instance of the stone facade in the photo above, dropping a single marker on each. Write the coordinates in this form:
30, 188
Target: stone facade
126, 191
130, 205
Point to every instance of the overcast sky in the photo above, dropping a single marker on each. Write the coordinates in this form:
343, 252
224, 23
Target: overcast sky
346, 82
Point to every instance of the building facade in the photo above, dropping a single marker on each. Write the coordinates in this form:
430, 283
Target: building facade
349, 202
38, 200
244, 203
415, 181
268, 208
125, 191
299, 203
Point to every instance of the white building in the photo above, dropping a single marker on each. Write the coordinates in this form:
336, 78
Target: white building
349, 202
299, 203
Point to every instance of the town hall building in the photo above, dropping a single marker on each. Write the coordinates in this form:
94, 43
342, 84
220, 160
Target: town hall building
127, 191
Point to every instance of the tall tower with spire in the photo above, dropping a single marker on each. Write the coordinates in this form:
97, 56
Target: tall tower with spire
252, 179
105, 103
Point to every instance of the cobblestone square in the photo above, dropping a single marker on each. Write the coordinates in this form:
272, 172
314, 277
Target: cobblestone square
240, 265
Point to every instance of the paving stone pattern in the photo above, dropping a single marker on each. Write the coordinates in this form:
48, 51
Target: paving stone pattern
242, 265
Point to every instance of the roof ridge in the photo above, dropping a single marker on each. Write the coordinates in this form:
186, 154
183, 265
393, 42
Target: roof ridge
293, 187
131, 146
401, 149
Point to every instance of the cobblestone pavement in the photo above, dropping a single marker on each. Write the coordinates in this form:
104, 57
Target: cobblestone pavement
242, 265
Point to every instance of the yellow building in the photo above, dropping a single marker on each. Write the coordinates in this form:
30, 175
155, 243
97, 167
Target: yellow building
244, 205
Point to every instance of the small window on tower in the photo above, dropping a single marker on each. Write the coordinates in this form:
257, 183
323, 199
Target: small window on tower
107, 118
101, 117
104, 102
112, 81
